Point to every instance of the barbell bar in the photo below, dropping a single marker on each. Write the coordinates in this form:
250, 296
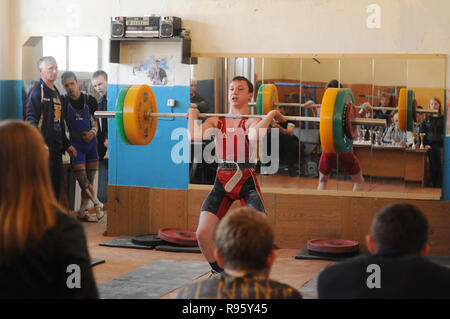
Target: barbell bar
149, 115
137, 117
376, 108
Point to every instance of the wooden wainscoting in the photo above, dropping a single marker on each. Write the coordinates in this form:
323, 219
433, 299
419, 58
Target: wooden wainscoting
295, 215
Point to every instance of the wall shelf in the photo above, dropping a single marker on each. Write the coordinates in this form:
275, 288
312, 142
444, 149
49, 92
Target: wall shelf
186, 58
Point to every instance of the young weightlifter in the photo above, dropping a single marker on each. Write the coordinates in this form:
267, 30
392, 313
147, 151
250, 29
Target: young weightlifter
235, 179
78, 111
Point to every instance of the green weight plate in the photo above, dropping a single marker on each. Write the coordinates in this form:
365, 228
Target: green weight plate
259, 101
119, 115
410, 111
342, 143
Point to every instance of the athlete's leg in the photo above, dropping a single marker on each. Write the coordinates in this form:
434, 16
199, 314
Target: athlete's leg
205, 234
326, 164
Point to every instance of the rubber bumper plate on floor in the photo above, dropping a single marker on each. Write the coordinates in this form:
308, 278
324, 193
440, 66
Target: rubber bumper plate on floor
179, 236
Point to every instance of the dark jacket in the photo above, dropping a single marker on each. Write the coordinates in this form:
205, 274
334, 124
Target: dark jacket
102, 134
40, 112
43, 271
402, 275
433, 127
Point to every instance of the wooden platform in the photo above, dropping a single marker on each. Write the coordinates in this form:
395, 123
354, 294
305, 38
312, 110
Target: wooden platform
296, 214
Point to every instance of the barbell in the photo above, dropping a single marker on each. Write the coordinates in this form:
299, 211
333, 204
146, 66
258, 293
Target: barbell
137, 117
267, 99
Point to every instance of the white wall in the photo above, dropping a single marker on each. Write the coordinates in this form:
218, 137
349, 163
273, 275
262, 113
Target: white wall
253, 26
4, 39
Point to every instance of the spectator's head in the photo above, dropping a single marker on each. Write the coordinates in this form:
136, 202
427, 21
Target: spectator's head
366, 110
385, 99
435, 104
28, 205
401, 227
394, 117
245, 241
100, 82
333, 84
70, 83
419, 116
193, 87
48, 68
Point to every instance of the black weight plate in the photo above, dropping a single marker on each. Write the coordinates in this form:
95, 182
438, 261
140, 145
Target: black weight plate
148, 240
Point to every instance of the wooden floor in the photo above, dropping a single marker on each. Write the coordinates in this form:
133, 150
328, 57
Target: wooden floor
119, 261
371, 184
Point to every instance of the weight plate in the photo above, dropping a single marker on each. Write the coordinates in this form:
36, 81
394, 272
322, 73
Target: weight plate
410, 111
342, 143
119, 115
270, 98
267, 98
179, 236
332, 245
148, 240
350, 114
139, 100
402, 106
415, 110
326, 120
259, 98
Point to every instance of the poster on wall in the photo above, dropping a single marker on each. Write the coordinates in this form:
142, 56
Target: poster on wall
154, 70
448, 112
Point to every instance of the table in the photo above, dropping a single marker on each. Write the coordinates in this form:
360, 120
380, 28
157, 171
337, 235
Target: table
392, 162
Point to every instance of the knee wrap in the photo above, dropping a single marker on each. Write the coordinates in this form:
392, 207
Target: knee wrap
82, 179
91, 175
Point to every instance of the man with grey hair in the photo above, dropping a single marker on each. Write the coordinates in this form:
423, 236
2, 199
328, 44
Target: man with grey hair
43, 110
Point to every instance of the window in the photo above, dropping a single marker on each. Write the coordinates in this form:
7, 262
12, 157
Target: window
56, 47
78, 54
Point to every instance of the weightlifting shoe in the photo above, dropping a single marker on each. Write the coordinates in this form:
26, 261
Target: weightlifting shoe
99, 212
88, 217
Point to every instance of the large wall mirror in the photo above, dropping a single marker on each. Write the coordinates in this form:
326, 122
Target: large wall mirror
390, 160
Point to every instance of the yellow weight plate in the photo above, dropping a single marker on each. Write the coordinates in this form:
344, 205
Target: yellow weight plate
270, 97
139, 100
326, 120
402, 109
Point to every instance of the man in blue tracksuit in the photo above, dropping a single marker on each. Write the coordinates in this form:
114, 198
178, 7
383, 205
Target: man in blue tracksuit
78, 111
43, 110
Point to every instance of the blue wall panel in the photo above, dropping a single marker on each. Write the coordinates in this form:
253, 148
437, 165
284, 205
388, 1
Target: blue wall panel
151, 165
10, 99
446, 177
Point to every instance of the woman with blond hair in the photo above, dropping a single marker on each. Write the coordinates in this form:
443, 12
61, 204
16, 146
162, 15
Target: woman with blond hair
43, 251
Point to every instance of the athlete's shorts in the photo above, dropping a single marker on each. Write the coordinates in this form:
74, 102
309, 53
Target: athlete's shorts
86, 152
247, 191
348, 162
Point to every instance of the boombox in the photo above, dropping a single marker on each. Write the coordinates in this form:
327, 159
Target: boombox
145, 27
117, 27
169, 27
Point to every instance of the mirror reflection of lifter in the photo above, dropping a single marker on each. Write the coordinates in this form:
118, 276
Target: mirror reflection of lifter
328, 161
433, 127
